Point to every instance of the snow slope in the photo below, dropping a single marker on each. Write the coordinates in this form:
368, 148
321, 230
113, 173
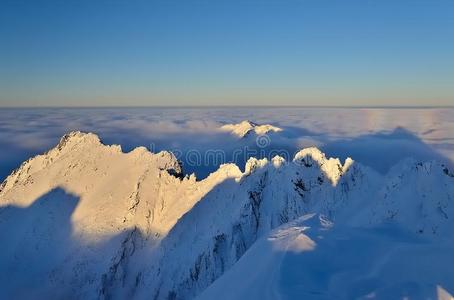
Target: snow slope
312, 259
108, 224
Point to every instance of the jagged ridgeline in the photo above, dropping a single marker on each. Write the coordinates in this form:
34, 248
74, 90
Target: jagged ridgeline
87, 221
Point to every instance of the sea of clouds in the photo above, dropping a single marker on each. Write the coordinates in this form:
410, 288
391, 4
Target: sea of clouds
375, 137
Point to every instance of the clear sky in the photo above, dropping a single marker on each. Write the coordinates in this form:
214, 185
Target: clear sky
300, 52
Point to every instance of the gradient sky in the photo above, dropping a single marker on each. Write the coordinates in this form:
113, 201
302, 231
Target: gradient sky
118, 52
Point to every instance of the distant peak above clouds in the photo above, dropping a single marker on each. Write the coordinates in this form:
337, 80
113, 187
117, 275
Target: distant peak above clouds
245, 127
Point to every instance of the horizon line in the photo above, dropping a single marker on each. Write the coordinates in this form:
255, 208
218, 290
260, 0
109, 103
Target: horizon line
232, 106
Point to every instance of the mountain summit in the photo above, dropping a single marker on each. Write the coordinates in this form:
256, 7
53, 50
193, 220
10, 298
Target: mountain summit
245, 127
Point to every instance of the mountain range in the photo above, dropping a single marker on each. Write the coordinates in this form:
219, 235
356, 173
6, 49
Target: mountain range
86, 220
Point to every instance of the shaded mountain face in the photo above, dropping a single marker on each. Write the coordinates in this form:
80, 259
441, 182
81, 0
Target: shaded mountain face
94, 222
310, 258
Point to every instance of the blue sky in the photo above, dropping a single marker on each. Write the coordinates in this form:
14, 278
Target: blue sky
342, 53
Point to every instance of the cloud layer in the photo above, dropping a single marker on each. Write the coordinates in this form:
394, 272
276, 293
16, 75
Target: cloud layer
378, 138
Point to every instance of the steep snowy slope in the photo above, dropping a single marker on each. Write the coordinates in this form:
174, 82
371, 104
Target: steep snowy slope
115, 198
108, 224
398, 247
211, 237
419, 196
313, 259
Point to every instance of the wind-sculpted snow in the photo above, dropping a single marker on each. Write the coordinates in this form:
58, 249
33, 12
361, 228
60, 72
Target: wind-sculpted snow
94, 222
312, 259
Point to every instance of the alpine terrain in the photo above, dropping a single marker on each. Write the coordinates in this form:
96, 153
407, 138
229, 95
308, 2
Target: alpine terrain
87, 221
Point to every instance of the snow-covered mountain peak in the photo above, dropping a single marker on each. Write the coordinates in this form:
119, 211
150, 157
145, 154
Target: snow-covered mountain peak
226, 171
245, 127
332, 167
309, 155
253, 164
79, 139
278, 161
79, 151
418, 196
78, 136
